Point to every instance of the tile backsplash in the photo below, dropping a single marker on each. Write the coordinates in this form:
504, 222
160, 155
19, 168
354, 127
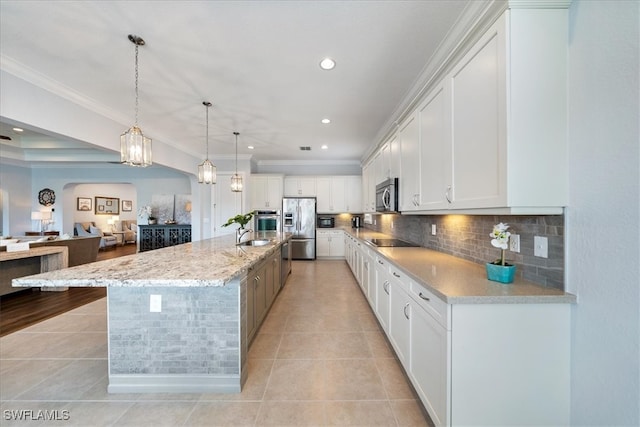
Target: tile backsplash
467, 237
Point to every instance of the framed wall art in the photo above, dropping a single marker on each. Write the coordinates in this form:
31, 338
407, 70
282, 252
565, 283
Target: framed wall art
107, 206
127, 206
85, 204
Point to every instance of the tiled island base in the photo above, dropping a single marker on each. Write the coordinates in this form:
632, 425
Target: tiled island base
191, 345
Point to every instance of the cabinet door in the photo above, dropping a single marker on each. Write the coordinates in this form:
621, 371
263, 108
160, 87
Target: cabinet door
266, 192
260, 301
435, 146
428, 366
399, 316
307, 186
258, 192
323, 245
274, 192
382, 294
251, 310
353, 197
323, 189
337, 244
394, 157
410, 145
338, 194
479, 125
368, 189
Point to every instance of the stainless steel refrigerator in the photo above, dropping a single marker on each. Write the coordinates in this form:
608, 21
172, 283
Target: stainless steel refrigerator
299, 218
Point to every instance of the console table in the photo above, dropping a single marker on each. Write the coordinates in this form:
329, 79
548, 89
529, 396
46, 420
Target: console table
161, 236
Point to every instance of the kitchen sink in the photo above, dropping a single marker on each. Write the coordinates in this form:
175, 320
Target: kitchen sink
255, 242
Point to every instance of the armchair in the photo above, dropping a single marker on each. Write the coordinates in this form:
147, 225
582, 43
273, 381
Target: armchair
129, 230
90, 229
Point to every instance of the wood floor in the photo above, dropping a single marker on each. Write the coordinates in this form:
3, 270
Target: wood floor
24, 308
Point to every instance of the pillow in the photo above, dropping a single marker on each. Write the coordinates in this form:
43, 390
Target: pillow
95, 230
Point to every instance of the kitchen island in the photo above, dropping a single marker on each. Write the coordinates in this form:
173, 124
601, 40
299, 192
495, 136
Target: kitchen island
177, 316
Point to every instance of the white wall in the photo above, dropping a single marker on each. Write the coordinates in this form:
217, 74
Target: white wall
150, 181
602, 221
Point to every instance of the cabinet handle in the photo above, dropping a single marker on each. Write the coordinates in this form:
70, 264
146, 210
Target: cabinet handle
385, 286
423, 297
396, 274
380, 262
405, 310
447, 194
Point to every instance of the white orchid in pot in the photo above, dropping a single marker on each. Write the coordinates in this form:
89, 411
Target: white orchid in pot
500, 270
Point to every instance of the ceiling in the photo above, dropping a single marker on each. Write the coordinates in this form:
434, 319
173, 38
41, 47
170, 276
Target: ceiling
256, 61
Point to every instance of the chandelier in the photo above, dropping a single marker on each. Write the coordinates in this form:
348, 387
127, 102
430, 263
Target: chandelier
206, 169
135, 148
236, 179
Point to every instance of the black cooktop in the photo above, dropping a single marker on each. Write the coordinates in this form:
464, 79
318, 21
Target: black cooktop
385, 243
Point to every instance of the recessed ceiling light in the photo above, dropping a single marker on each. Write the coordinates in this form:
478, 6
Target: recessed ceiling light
18, 130
250, 147
326, 121
325, 147
327, 64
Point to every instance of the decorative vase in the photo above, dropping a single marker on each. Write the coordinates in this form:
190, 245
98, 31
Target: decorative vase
153, 221
500, 273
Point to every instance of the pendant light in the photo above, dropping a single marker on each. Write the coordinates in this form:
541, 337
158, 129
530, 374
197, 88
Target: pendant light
135, 148
236, 180
207, 170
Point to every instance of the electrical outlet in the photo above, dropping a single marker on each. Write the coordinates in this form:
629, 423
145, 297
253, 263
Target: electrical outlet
540, 247
392, 225
514, 243
433, 229
155, 303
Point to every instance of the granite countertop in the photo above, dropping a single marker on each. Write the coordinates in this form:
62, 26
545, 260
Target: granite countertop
210, 262
458, 281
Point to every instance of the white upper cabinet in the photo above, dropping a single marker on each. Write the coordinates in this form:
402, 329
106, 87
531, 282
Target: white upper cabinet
435, 150
300, 186
266, 192
409, 182
368, 189
509, 116
353, 198
490, 137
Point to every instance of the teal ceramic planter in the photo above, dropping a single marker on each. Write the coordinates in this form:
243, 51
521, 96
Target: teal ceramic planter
500, 273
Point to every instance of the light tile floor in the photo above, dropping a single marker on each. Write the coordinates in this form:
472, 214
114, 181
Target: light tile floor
319, 359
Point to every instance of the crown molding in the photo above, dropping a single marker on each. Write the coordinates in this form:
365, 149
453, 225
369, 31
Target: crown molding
306, 162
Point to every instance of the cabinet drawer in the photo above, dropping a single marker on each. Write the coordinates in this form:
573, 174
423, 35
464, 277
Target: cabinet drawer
433, 305
399, 277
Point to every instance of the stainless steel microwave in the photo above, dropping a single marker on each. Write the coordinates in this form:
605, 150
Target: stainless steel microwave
387, 196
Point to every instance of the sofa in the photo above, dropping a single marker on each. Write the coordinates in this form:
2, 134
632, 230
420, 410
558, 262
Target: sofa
88, 229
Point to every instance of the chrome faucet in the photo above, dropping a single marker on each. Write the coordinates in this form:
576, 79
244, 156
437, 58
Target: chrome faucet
241, 232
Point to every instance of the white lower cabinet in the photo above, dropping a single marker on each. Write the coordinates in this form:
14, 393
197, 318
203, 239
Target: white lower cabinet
473, 364
330, 244
429, 360
399, 316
